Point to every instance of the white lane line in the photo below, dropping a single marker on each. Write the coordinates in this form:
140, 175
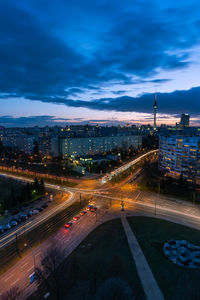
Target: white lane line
6, 279
37, 254
15, 282
29, 269
24, 265
137, 195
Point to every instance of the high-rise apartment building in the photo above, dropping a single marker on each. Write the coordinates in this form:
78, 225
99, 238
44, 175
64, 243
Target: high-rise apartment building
185, 120
179, 156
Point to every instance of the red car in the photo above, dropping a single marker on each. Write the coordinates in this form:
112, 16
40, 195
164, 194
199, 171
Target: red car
83, 213
76, 218
93, 209
69, 224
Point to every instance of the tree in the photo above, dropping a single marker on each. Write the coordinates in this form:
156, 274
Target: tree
114, 288
41, 187
13, 293
51, 271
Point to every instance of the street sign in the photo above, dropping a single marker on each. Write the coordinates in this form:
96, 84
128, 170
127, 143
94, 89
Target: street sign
32, 277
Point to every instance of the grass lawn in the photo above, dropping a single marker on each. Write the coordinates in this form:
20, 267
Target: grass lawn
103, 254
176, 282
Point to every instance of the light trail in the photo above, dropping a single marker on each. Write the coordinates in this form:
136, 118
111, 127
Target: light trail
126, 166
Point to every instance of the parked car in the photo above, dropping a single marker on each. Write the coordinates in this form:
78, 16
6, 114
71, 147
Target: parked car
17, 219
83, 213
45, 205
69, 224
23, 217
13, 223
1, 229
40, 208
6, 227
35, 211
76, 218
30, 213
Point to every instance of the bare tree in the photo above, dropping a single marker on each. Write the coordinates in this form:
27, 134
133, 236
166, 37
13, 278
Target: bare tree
13, 293
51, 272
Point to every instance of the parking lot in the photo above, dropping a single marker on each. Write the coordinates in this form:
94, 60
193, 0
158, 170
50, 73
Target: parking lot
18, 217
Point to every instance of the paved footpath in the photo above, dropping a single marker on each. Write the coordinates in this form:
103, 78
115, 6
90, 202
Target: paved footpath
148, 281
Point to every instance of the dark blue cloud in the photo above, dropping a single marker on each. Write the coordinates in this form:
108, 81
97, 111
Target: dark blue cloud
51, 52
170, 103
9, 121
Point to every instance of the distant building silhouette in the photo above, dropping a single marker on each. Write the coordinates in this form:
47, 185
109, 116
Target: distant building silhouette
185, 120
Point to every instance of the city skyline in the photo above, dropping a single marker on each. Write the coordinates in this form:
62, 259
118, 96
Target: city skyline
85, 62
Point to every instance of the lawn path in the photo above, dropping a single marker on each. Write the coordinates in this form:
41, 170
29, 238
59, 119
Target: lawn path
148, 281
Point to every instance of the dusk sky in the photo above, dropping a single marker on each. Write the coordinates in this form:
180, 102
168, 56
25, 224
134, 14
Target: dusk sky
98, 61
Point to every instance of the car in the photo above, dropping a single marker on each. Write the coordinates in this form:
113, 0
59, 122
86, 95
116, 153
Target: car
35, 211
45, 205
1, 229
13, 223
89, 207
69, 224
93, 209
83, 213
39, 208
23, 217
76, 218
17, 219
30, 213
6, 227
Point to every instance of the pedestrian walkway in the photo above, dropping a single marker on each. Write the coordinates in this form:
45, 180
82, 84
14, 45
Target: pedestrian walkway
148, 281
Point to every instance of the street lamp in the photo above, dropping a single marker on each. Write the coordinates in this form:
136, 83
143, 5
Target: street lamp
27, 245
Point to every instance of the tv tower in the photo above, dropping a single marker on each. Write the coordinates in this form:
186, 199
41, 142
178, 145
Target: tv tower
155, 109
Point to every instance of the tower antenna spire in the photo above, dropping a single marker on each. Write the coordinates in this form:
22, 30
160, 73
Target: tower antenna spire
155, 109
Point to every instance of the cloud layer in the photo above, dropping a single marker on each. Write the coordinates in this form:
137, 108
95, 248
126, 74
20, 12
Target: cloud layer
62, 53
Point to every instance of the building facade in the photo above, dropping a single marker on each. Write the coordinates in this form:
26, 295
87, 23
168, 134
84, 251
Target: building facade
20, 142
179, 156
97, 145
185, 120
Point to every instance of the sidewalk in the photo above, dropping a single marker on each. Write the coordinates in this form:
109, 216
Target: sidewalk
148, 281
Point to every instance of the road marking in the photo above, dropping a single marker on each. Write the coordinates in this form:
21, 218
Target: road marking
8, 277
14, 282
30, 269
24, 265
37, 254
137, 195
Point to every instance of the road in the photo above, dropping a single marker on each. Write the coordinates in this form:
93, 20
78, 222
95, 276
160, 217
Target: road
126, 166
68, 239
109, 203
141, 204
35, 221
